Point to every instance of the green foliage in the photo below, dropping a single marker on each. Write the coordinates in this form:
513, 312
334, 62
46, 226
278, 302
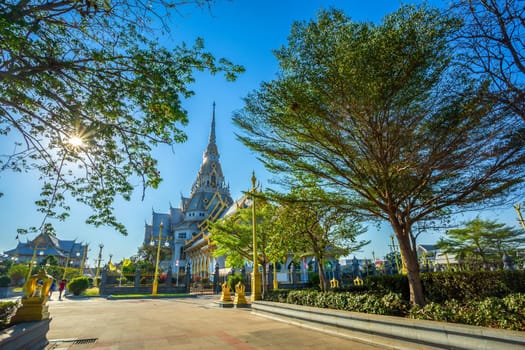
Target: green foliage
78, 285
5, 281
234, 279
17, 273
458, 285
466, 286
384, 116
277, 295
7, 310
74, 71
388, 283
310, 219
481, 244
507, 312
387, 304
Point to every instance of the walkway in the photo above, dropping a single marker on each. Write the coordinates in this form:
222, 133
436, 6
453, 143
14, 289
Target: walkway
189, 323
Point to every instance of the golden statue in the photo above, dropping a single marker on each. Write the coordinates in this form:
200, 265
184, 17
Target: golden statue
240, 298
225, 295
358, 281
36, 294
334, 283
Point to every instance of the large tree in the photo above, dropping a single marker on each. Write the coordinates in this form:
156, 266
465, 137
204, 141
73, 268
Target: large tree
481, 244
493, 40
381, 115
87, 92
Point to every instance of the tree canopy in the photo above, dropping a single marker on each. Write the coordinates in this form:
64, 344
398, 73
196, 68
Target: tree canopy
383, 116
316, 227
87, 92
480, 244
493, 40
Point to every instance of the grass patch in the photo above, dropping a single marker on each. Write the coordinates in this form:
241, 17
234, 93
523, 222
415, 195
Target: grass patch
139, 296
92, 292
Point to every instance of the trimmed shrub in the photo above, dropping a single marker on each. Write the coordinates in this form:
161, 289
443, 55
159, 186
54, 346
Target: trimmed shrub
387, 304
507, 312
277, 295
78, 285
383, 284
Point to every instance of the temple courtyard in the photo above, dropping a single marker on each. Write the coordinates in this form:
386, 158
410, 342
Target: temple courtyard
183, 323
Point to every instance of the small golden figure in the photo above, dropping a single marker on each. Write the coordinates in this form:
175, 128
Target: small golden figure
240, 298
225, 295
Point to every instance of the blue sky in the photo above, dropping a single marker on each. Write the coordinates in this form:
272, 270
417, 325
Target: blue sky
245, 32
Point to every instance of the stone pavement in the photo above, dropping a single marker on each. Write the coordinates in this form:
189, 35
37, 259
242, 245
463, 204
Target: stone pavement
184, 323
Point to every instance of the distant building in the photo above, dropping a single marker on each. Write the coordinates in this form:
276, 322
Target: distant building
186, 227
43, 245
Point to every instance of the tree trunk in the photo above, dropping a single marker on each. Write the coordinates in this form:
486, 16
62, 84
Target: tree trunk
264, 281
322, 280
410, 260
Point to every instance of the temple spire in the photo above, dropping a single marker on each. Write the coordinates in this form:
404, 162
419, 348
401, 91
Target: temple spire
211, 152
212, 132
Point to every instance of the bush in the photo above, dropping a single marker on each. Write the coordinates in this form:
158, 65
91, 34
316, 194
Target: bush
471, 285
7, 310
507, 312
387, 304
277, 295
5, 281
78, 285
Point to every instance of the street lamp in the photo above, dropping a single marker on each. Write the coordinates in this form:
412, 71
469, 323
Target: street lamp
256, 280
156, 275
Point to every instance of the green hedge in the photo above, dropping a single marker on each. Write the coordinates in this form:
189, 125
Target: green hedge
507, 312
461, 286
387, 304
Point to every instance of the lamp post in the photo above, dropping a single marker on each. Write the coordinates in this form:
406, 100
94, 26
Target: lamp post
81, 269
256, 280
98, 263
156, 275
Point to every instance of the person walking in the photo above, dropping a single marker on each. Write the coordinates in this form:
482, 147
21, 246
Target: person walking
52, 289
61, 288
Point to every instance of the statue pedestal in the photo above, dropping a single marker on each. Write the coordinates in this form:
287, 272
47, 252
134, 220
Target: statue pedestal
32, 309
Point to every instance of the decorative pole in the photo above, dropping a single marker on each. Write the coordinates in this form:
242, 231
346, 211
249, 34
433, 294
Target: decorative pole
82, 264
98, 264
256, 280
32, 263
156, 275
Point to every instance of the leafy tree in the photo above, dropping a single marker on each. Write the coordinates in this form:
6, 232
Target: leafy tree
17, 273
87, 92
233, 236
146, 255
493, 38
481, 243
381, 115
315, 228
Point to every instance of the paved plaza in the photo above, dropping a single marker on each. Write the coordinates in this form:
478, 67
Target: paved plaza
184, 323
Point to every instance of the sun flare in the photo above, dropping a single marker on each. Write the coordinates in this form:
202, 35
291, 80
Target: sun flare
76, 141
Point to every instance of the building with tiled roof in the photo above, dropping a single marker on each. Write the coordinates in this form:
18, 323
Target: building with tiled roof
68, 252
186, 227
